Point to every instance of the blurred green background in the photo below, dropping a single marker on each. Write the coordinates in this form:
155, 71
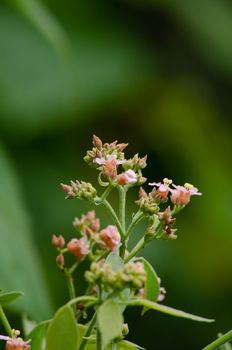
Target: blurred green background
156, 74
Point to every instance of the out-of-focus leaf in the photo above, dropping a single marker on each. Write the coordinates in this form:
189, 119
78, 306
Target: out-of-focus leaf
45, 22
115, 261
6, 298
20, 266
62, 332
109, 321
38, 93
37, 336
166, 309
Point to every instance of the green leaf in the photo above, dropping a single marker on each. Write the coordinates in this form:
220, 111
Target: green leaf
127, 345
109, 321
62, 331
19, 261
152, 285
166, 309
115, 261
37, 336
6, 298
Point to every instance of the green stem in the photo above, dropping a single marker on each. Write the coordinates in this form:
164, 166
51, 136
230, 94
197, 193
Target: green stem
99, 342
113, 346
122, 207
140, 245
220, 341
83, 298
137, 217
5, 322
71, 288
106, 193
88, 332
113, 215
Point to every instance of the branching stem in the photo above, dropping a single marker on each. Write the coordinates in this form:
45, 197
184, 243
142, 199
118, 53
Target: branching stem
220, 341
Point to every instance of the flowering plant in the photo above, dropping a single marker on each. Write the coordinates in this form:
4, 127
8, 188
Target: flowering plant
113, 277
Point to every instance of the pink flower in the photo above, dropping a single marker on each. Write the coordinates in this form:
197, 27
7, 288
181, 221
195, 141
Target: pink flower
128, 177
181, 195
110, 237
161, 190
79, 248
109, 158
15, 342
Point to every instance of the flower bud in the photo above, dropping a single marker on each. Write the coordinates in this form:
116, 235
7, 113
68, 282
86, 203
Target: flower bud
125, 329
97, 142
60, 260
58, 242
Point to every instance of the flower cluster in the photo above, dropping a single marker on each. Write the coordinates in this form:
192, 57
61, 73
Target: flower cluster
92, 241
132, 275
15, 342
108, 157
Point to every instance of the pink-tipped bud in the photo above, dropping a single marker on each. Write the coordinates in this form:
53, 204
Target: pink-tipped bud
142, 193
121, 146
68, 190
60, 260
58, 242
110, 237
79, 248
97, 142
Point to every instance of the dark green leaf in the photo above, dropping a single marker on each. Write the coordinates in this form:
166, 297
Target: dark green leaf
109, 321
6, 298
166, 309
37, 336
62, 331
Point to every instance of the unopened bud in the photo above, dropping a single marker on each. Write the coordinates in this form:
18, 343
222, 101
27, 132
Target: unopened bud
58, 242
60, 260
97, 142
125, 329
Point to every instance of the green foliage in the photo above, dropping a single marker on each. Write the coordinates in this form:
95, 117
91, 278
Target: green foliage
109, 321
62, 331
37, 336
8, 297
152, 285
166, 309
17, 249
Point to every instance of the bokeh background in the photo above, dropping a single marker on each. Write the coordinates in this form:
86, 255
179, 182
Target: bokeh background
156, 74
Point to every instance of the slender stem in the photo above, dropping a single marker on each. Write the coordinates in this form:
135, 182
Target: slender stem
83, 298
106, 193
113, 215
88, 332
218, 342
140, 245
137, 217
72, 293
5, 322
99, 342
122, 207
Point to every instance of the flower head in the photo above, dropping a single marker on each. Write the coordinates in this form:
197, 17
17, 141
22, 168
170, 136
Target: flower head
128, 177
110, 237
161, 189
79, 248
181, 195
15, 342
